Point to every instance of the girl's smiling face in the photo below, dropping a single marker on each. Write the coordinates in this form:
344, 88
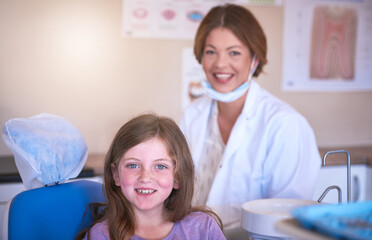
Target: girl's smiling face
145, 175
226, 60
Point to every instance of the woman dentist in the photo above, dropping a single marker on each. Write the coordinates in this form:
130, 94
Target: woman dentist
246, 143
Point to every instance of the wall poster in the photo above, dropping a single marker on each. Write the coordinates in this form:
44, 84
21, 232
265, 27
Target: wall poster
327, 45
172, 19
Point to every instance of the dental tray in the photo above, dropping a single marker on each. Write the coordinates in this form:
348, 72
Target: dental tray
344, 221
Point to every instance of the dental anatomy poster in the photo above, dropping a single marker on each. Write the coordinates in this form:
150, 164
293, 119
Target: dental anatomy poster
172, 19
327, 45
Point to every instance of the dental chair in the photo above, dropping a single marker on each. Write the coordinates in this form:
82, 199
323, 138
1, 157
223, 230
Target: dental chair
52, 212
49, 153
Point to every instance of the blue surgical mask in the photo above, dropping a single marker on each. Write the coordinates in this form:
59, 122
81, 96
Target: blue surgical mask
235, 94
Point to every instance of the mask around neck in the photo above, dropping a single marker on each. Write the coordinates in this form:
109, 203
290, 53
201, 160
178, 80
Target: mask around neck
235, 94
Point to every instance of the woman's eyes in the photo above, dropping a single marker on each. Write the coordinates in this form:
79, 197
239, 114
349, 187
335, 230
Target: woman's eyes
231, 53
234, 53
209, 52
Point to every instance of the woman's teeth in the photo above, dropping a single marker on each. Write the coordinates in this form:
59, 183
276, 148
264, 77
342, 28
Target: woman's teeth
148, 191
223, 76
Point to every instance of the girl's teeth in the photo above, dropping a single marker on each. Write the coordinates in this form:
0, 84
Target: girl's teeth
145, 191
223, 76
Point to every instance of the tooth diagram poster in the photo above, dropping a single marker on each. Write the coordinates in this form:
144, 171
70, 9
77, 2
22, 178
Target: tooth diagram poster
327, 45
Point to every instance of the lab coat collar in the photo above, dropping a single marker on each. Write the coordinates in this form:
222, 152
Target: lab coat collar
252, 101
238, 132
204, 103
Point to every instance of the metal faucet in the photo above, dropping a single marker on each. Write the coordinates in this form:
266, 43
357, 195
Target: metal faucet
330, 188
348, 175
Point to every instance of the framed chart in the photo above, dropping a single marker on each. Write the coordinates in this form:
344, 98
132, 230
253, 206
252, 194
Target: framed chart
327, 45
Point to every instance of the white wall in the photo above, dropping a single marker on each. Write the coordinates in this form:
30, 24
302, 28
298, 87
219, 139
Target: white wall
69, 58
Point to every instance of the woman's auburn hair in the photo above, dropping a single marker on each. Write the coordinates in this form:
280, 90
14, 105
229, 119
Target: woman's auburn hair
118, 211
242, 23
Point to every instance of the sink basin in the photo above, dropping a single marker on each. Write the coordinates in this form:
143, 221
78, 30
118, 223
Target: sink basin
259, 216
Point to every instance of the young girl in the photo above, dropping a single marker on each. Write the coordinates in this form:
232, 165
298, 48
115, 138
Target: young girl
149, 183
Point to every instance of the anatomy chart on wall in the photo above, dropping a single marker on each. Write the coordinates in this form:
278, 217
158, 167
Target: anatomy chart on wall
171, 19
327, 45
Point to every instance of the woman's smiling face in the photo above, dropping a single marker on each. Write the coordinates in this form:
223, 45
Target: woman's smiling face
226, 60
145, 175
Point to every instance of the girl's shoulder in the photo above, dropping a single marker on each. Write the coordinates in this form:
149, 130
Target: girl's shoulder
198, 216
99, 231
197, 225
198, 220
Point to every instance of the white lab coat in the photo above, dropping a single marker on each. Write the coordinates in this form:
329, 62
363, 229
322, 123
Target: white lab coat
271, 153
